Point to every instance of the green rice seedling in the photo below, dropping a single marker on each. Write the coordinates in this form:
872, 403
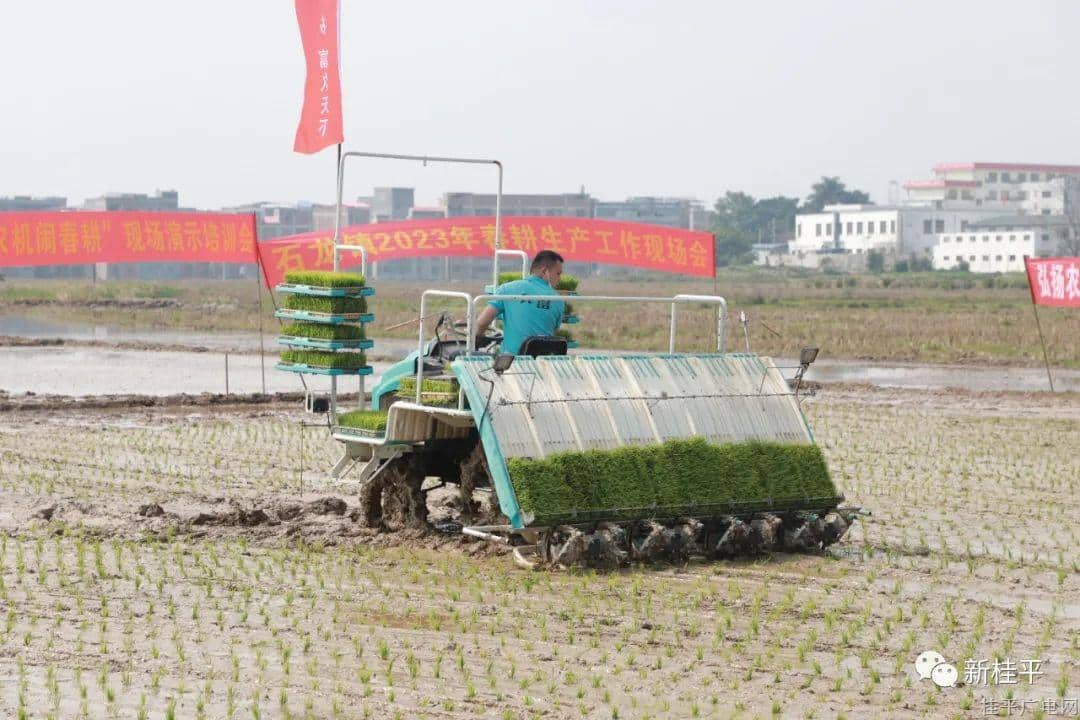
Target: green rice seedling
320, 331
678, 476
315, 358
433, 391
566, 282
316, 278
327, 305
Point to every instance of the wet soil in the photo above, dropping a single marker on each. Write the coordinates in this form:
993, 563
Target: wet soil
196, 555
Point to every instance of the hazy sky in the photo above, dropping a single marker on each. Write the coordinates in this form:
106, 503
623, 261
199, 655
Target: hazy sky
625, 97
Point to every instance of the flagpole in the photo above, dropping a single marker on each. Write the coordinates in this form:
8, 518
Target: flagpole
1042, 341
1035, 309
262, 351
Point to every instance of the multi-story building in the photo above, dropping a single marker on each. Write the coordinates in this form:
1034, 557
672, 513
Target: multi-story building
1023, 188
999, 244
160, 201
273, 220
18, 203
427, 213
956, 200
896, 229
322, 216
460, 204
391, 203
672, 212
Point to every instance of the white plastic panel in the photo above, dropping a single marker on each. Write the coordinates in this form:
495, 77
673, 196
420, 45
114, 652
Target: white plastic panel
550, 405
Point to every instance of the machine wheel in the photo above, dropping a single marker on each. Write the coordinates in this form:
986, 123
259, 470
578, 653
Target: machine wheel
393, 499
474, 474
608, 545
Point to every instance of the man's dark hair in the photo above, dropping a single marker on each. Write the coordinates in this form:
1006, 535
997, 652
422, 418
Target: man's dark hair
545, 259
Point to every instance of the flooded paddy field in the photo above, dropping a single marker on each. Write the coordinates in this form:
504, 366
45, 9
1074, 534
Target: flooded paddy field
196, 561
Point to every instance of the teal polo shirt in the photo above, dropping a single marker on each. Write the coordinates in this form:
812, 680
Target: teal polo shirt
522, 318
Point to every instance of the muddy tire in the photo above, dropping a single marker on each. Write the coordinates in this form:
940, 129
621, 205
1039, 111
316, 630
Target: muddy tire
394, 499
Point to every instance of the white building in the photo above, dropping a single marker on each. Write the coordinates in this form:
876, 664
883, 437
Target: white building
1024, 188
1000, 244
897, 229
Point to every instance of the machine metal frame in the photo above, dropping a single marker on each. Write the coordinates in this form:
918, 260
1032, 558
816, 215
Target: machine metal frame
339, 247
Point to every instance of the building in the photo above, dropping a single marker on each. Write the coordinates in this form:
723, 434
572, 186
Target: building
391, 203
322, 216
24, 203
160, 201
895, 229
273, 220
459, 204
427, 213
1000, 244
957, 199
1022, 188
672, 212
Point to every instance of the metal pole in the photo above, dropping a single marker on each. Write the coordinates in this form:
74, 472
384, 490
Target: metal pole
1042, 341
337, 209
262, 351
337, 234
226, 372
715, 289
498, 227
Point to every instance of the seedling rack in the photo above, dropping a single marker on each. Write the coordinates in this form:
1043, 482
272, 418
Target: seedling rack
318, 318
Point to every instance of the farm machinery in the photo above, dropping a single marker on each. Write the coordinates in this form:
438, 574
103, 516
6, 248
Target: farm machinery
590, 458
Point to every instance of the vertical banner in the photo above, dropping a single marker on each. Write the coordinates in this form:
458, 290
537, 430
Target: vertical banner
320, 118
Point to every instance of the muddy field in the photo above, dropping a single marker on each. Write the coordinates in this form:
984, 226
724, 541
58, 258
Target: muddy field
193, 561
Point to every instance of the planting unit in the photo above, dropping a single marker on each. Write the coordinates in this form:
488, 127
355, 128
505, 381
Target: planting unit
587, 459
602, 459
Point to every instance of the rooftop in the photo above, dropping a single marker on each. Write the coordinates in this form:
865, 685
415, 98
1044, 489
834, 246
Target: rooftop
1025, 167
1029, 221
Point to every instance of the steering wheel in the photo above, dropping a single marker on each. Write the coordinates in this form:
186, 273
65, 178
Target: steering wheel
461, 327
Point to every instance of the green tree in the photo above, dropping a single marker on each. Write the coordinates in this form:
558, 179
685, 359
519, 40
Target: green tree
875, 261
742, 220
830, 191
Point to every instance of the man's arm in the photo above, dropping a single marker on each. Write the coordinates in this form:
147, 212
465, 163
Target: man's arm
483, 322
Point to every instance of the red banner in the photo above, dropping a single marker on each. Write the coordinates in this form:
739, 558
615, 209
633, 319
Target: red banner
1054, 281
59, 238
577, 239
320, 118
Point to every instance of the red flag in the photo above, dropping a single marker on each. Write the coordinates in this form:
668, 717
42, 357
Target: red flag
320, 119
1054, 281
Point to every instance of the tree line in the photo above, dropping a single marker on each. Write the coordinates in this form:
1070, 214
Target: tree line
742, 220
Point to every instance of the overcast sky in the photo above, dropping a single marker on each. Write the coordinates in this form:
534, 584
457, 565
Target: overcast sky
626, 97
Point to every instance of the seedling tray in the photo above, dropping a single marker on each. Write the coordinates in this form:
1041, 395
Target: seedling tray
490, 290
356, 291
327, 318
359, 432
318, 370
319, 344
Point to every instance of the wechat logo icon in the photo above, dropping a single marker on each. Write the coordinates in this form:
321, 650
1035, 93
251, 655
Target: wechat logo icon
933, 666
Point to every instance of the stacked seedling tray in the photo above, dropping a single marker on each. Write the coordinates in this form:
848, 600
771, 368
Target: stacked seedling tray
568, 285
326, 314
